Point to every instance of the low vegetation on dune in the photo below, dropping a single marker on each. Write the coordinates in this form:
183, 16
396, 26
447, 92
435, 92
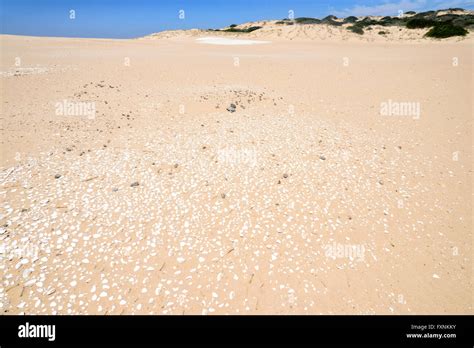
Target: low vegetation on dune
388, 21
415, 23
246, 30
350, 19
366, 22
288, 21
307, 20
331, 20
440, 24
445, 30
233, 29
356, 29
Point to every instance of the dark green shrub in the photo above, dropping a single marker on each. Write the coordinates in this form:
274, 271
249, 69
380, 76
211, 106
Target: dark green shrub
444, 30
307, 20
382, 32
416, 23
463, 21
392, 21
350, 19
367, 21
427, 14
236, 30
446, 18
331, 20
356, 29
233, 25
249, 30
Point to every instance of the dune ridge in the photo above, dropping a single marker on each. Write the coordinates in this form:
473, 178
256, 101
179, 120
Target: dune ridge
331, 28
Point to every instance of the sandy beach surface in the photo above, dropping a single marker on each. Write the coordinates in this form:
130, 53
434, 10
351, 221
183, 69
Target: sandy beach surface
338, 182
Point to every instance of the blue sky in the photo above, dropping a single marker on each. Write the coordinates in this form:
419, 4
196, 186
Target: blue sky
133, 18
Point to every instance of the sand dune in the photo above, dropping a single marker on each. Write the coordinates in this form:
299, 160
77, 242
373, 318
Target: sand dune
308, 32
318, 32
272, 30
228, 41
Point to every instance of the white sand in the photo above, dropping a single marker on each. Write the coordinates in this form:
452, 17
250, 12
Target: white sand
228, 42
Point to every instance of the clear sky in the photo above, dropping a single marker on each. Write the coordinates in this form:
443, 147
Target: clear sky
133, 18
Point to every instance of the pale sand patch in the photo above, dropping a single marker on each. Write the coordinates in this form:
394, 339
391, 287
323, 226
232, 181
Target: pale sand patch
228, 42
24, 71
